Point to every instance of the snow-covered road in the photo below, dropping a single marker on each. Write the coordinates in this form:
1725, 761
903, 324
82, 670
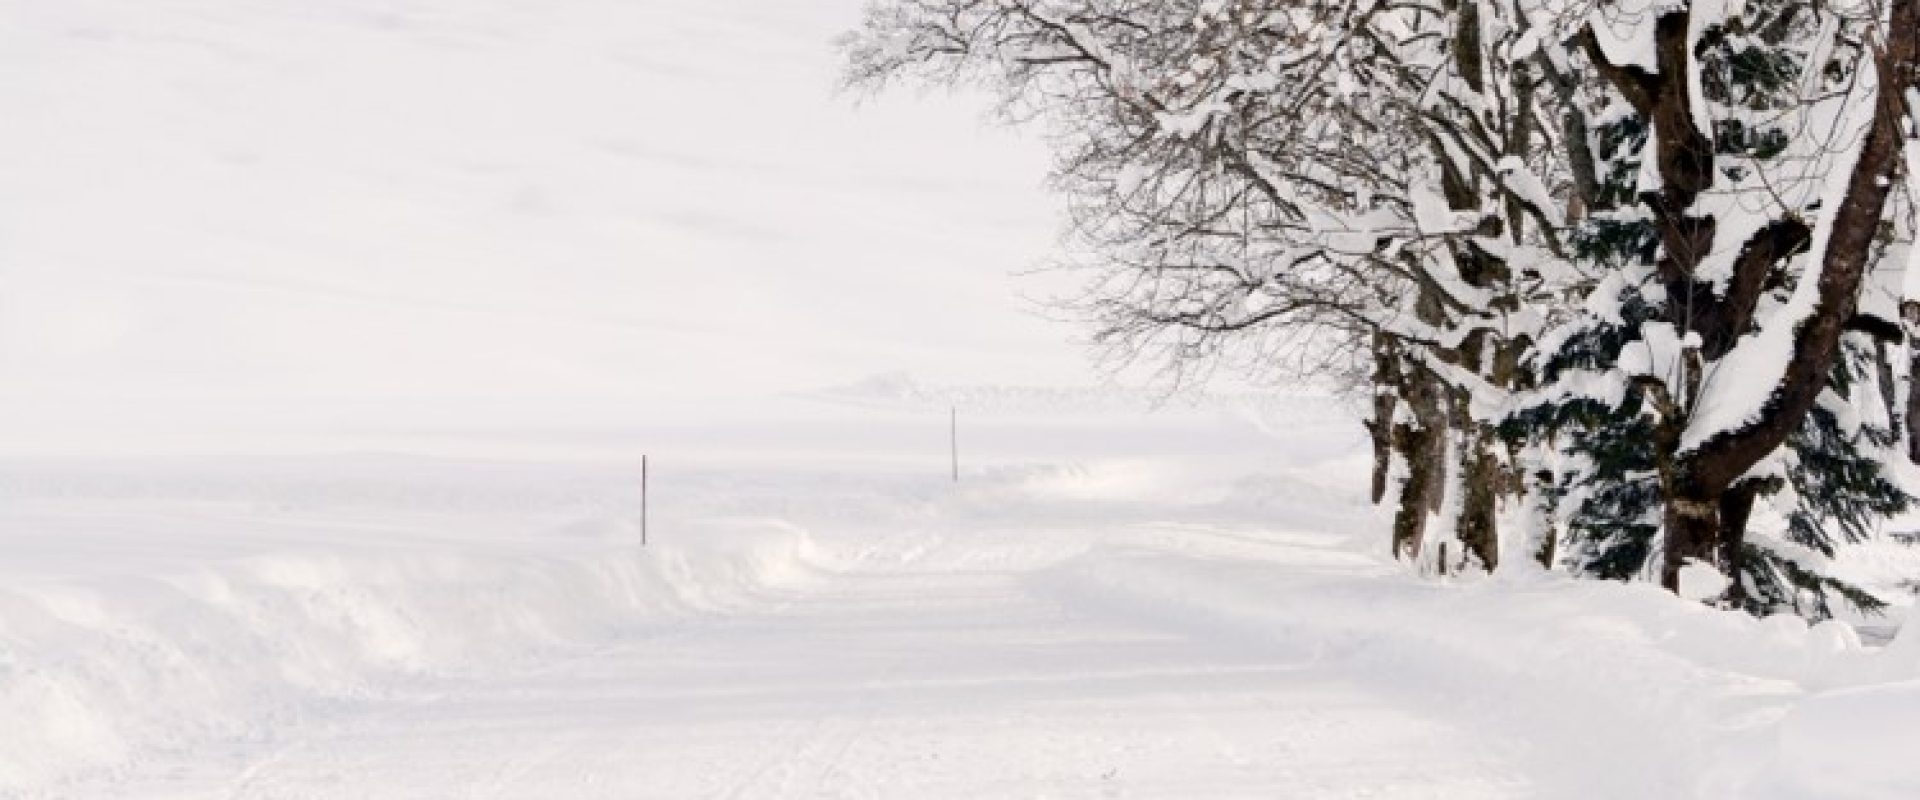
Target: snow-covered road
1193, 603
889, 679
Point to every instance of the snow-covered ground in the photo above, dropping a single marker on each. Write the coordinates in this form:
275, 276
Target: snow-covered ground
332, 335
1110, 603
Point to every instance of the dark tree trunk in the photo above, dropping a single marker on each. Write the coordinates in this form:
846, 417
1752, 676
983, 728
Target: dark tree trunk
1693, 534
1386, 380
1480, 488
1910, 311
1549, 545
1913, 405
1736, 507
1712, 531
1423, 448
1888, 384
1380, 430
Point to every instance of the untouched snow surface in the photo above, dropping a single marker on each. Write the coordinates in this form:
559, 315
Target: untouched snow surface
1189, 603
261, 217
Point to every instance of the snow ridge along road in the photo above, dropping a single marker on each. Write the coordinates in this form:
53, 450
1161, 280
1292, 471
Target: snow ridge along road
947, 673
1188, 603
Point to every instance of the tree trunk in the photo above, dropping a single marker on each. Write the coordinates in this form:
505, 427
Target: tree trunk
1423, 446
1480, 484
1380, 430
1386, 381
1693, 534
1889, 386
1546, 549
1711, 530
1910, 311
1913, 405
1736, 507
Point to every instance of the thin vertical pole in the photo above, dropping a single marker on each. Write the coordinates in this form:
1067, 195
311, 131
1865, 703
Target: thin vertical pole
953, 436
643, 501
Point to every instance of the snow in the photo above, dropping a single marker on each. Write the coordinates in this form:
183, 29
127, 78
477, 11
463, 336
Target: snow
1113, 601
333, 335
1855, 742
1431, 213
1702, 582
225, 220
1624, 31
1526, 185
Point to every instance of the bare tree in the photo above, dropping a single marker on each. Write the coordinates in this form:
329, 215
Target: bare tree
1302, 185
1445, 201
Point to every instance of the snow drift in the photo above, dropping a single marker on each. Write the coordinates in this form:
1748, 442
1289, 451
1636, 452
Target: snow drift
1710, 703
93, 673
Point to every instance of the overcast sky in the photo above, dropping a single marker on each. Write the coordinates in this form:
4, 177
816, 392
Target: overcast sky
276, 210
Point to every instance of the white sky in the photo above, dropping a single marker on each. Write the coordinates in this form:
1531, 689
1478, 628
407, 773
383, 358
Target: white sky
286, 211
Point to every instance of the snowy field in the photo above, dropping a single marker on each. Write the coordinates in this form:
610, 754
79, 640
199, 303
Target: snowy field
332, 335
1190, 603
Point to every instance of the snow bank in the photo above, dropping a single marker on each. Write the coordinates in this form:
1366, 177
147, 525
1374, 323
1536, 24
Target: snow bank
1559, 672
1859, 743
94, 673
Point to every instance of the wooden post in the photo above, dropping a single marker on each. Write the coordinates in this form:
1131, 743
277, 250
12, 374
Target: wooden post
953, 436
643, 501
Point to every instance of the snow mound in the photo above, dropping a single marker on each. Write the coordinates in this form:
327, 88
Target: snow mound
95, 673
1534, 663
1858, 743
